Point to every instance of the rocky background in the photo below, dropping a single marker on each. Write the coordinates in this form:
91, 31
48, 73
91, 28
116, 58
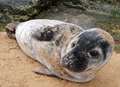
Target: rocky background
86, 13
21, 10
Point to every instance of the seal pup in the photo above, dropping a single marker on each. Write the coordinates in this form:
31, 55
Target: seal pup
65, 50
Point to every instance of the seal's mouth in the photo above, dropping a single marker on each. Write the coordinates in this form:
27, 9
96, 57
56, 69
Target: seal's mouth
75, 61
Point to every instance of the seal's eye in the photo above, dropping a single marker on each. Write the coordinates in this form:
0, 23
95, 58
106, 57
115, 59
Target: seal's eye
94, 53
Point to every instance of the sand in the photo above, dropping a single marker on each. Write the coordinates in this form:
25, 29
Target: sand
16, 70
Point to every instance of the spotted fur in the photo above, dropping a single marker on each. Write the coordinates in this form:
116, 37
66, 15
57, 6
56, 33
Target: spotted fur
65, 50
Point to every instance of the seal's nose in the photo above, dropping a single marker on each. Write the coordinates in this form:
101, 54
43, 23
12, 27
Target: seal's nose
80, 61
75, 61
79, 65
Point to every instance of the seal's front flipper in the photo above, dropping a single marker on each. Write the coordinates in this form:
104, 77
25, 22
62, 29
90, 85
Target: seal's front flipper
43, 71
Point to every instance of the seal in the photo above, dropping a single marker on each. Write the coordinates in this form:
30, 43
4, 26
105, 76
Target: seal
65, 50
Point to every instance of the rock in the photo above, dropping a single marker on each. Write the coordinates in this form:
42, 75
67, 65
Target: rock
80, 12
83, 20
22, 6
16, 9
9, 9
70, 15
4, 18
108, 8
14, 5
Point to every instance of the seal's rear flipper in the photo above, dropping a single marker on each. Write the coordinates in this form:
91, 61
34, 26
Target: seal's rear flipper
10, 29
43, 71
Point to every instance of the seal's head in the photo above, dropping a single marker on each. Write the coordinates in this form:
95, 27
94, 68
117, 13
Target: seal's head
88, 50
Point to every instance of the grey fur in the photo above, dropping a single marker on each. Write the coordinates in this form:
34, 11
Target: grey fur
65, 50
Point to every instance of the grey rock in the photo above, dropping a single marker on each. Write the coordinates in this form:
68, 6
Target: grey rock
4, 18
22, 10
11, 6
70, 15
16, 3
24, 5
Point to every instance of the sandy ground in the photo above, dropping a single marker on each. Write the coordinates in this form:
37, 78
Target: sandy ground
16, 70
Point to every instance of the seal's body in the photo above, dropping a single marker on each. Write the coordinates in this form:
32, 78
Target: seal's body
65, 50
